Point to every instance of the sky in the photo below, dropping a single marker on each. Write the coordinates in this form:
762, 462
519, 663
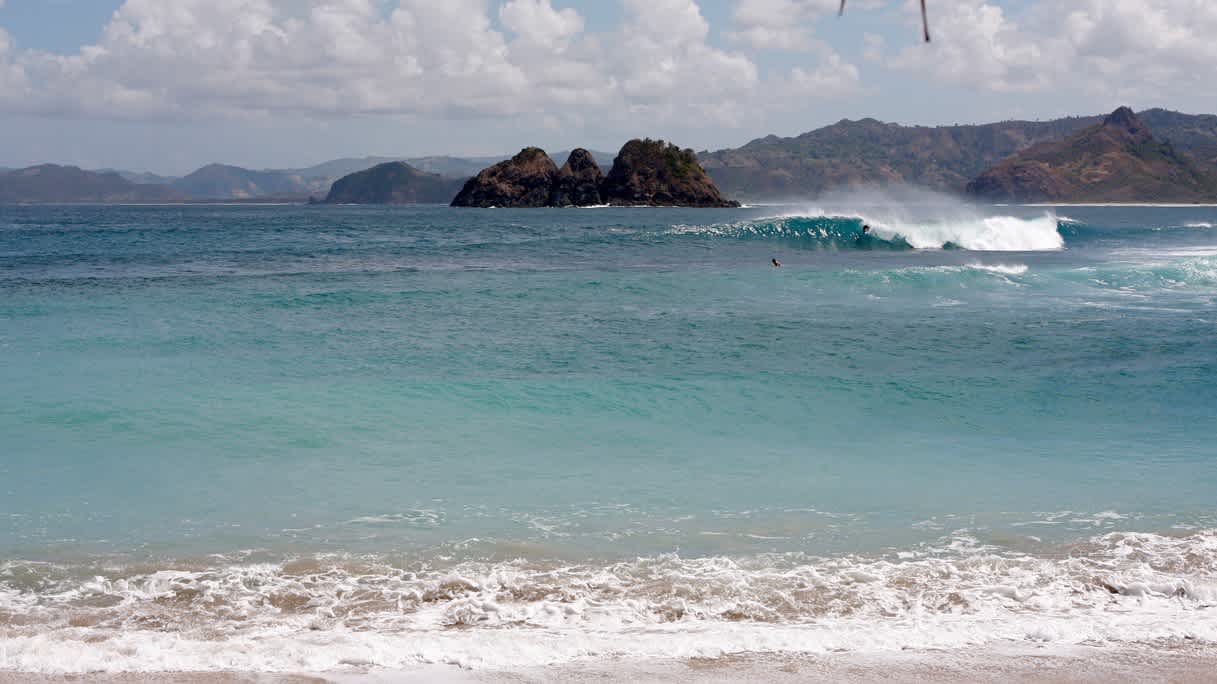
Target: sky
170, 85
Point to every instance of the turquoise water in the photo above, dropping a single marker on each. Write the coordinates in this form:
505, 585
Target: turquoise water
197, 396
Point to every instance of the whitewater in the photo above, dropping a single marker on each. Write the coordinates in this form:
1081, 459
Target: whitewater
376, 440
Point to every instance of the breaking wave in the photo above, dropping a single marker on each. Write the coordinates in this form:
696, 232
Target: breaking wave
991, 233
328, 613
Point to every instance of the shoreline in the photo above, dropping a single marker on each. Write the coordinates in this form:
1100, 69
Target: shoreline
1180, 661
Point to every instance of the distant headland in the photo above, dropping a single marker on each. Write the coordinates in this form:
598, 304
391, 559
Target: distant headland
1154, 155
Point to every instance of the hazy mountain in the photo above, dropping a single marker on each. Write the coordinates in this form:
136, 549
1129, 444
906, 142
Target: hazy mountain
1195, 134
944, 158
51, 183
453, 167
847, 153
143, 177
335, 168
393, 183
220, 181
227, 182
870, 152
465, 167
1118, 160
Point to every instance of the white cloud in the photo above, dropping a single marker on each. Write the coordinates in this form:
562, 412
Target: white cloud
976, 44
340, 58
537, 23
874, 44
1149, 48
834, 77
1152, 46
773, 24
786, 24
663, 56
783, 24
12, 76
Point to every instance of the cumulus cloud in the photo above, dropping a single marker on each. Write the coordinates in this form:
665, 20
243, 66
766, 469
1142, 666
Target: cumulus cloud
786, 24
664, 53
833, 77
332, 58
1151, 47
11, 76
491, 58
977, 44
537, 23
776, 24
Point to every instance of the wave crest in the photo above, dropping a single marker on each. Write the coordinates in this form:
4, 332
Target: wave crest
991, 233
326, 613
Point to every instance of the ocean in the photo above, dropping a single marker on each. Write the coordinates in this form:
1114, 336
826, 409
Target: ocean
360, 439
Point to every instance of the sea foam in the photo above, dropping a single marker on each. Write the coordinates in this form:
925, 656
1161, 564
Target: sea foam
990, 233
929, 220
331, 614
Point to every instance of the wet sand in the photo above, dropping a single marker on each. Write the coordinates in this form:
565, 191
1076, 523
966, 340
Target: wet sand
1184, 663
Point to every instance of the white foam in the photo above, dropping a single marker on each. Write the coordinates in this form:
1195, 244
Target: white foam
990, 233
331, 614
1004, 269
928, 220
1198, 224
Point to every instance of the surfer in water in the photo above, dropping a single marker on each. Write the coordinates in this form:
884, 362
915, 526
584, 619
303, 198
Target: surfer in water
865, 229
776, 263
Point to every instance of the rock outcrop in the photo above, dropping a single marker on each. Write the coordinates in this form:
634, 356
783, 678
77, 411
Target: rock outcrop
526, 180
578, 182
1118, 160
393, 183
645, 173
654, 173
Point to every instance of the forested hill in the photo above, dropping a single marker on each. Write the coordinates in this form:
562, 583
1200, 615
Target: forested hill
946, 158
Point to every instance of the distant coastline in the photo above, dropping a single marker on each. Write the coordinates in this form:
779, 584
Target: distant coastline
848, 154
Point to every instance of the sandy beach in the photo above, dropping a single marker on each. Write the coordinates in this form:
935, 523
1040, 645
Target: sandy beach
1175, 663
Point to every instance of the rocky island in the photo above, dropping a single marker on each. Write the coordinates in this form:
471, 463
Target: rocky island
1118, 160
645, 173
578, 182
526, 180
654, 173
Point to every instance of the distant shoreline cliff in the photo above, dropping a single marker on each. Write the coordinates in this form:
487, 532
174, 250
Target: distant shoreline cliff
847, 154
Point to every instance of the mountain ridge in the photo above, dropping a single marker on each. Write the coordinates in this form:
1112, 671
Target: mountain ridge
1118, 160
869, 152
392, 183
61, 184
845, 154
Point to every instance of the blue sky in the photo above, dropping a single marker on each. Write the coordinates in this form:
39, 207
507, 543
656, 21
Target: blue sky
169, 85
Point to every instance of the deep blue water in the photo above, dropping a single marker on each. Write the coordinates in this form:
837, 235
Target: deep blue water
442, 386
